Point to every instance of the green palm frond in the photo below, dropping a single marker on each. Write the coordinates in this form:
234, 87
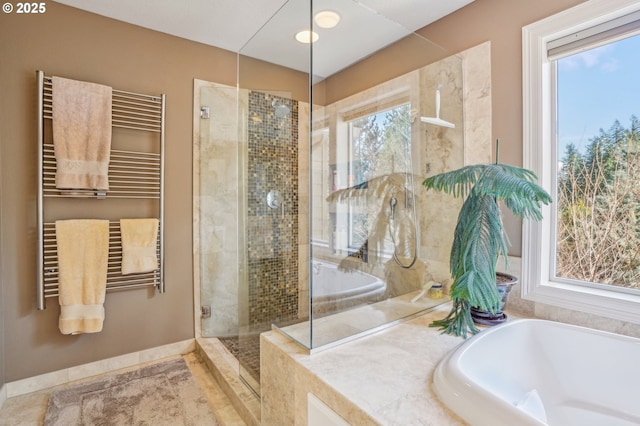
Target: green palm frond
516, 187
458, 322
457, 183
479, 238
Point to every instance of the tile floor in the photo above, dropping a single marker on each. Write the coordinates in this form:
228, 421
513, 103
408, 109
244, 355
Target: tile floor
29, 409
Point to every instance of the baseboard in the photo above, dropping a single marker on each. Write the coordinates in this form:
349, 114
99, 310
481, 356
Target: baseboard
71, 374
3, 395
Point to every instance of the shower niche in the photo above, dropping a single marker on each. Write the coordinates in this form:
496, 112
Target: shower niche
310, 217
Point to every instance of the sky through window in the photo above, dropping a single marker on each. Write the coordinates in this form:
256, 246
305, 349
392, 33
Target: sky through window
595, 88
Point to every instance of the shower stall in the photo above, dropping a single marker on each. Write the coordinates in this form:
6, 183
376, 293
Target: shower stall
309, 214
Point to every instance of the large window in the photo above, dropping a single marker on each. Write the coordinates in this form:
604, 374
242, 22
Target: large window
582, 137
598, 174
379, 145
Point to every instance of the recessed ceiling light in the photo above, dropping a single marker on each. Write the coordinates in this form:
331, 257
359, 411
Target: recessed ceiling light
306, 36
327, 18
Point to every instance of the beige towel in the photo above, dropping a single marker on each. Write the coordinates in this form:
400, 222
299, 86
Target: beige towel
81, 134
139, 237
83, 250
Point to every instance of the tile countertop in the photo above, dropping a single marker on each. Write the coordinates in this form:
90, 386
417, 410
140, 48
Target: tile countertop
383, 378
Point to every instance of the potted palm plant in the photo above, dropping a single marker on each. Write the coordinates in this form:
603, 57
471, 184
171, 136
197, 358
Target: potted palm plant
479, 238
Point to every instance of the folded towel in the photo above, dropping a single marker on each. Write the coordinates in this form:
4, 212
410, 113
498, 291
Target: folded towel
139, 238
83, 250
81, 134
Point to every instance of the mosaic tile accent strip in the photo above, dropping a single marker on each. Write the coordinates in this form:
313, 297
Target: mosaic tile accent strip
272, 232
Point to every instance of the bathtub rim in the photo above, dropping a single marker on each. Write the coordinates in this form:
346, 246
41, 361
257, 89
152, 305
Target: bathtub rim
470, 400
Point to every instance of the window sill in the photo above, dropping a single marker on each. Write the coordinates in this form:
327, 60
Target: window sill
619, 306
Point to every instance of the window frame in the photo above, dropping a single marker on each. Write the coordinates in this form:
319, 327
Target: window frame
352, 212
320, 146
539, 155
347, 116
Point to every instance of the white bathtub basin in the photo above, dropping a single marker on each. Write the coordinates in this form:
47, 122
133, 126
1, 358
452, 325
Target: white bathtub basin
536, 372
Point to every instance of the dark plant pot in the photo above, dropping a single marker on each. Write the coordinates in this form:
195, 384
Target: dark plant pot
504, 283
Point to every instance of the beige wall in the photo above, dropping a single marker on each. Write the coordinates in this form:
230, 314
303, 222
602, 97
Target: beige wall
68, 42
399, 58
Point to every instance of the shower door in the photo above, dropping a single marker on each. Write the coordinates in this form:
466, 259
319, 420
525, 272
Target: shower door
216, 206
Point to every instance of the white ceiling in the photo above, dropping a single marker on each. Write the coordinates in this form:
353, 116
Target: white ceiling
264, 29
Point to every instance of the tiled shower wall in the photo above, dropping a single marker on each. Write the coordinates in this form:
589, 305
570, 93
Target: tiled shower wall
272, 234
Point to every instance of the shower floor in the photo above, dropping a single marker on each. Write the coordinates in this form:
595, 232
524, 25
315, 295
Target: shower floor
246, 350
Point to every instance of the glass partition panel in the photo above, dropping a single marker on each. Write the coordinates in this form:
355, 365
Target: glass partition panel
378, 240
336, 236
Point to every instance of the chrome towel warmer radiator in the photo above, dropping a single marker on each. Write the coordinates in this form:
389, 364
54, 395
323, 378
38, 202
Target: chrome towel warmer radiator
133, 175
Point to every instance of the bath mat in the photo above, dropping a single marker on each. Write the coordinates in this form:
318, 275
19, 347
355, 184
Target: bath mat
160, 394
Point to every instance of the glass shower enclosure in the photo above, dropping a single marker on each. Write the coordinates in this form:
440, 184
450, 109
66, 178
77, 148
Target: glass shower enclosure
320, 152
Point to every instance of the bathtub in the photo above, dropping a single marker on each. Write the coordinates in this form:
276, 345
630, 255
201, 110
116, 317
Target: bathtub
333, 290
536, 372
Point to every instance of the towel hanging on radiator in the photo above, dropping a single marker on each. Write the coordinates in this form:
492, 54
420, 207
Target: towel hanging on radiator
81, 133
83, 247
139, 244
